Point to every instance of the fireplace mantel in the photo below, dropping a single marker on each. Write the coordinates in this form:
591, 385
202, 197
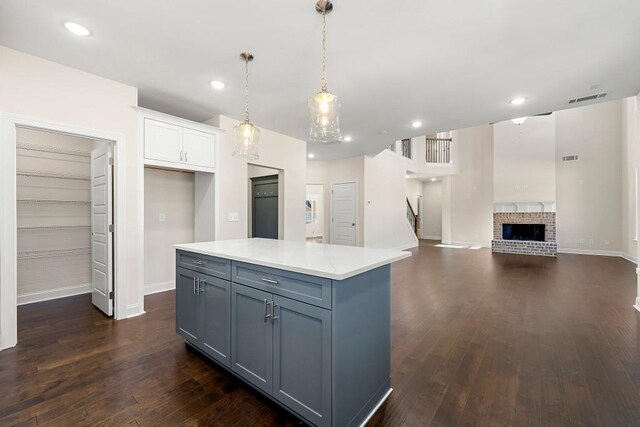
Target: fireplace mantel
530, 206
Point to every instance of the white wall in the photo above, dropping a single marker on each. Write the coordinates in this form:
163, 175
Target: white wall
467, 197
170, 193
432, 218
524, 160
589, 191
385, 216
276, 151
630, 164
413, 191
42, 89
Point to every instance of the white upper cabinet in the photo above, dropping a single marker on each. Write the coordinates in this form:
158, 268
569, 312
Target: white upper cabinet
174, 143
162, 141
198, 148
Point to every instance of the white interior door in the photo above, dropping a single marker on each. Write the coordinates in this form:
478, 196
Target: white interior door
343, 213
102, 229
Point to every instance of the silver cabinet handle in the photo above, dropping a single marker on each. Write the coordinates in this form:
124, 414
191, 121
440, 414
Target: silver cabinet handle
266, 315
266, 279
199, 262
180, 155
273, 313
185, 157
201, 282
198, 286
194, 285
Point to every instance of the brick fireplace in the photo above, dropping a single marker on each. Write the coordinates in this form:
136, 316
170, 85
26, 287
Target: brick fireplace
537, 238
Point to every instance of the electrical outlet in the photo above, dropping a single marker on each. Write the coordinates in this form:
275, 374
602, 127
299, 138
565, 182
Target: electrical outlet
234, 217
591, 241
163, 217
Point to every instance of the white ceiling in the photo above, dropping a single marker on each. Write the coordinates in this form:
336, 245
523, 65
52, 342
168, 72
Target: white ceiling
451, 64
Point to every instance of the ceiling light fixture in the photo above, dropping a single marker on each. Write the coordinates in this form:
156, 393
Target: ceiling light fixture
347, 139
77, 29
518, 101
324, 107
245, 134
416, 124
433, 179
311, 155
519, 120
217, 84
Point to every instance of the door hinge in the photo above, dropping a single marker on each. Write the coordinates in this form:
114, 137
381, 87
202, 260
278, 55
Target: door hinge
112, 228
110, 161
111, 295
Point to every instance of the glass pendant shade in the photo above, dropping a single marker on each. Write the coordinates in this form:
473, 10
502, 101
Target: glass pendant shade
324, 112
246, 137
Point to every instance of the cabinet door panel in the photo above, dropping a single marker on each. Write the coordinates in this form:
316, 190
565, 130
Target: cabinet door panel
199, 148
302, 359
162, 141
251, 336
216, 328
187, 306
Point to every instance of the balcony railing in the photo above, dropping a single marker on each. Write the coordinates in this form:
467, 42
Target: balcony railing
438, 150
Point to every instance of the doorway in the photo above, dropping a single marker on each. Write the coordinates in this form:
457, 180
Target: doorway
314, 213
264, 207
64, 215
344, 213
37, 199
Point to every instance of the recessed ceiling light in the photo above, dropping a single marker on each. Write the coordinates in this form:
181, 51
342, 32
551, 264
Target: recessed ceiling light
517, 101
77, 29
217, 84
311, 155
416, 124
347, 138
407, 176
433, 179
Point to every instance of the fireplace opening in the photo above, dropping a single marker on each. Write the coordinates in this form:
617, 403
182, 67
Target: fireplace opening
532, 232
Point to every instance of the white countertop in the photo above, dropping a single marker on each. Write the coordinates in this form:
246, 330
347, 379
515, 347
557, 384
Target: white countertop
329, 261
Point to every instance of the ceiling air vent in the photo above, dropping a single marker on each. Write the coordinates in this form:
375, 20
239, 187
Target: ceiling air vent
570, 158
588, 98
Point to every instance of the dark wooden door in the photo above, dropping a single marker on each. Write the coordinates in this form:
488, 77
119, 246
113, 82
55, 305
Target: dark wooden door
264, 207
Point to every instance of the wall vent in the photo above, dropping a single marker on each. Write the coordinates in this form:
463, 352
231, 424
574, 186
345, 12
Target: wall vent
570, 158
588, 98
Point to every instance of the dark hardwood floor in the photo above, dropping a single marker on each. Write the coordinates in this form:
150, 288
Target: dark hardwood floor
478, 339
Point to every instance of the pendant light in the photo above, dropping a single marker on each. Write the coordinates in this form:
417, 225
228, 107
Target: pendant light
324, 107
245, 134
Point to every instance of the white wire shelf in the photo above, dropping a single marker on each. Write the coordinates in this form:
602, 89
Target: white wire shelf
53, 201
56, 227
49, 149
53, 253
52, 175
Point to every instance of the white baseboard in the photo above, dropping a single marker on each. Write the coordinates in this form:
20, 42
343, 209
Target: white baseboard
133, 310
431, 237
482, 245
154, 288
67, 291
629, 258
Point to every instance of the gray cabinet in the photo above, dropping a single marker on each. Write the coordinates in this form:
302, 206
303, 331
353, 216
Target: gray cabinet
187, 305
318, 347
302, 359
203, 312
252, 336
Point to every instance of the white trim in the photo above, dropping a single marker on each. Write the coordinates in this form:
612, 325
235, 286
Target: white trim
596, 252
8, 231
140, 193
629, 257
154, 288
133, 310
373, 411
431, 238
67, 291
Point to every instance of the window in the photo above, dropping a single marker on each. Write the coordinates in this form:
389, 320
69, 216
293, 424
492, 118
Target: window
406, 148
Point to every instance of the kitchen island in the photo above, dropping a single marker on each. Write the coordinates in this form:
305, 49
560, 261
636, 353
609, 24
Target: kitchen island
306, 324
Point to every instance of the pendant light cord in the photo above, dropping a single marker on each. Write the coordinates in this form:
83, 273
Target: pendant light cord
246, 90
324, 52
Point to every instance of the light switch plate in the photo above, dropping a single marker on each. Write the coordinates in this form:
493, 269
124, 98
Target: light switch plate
163, 217
234, 217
